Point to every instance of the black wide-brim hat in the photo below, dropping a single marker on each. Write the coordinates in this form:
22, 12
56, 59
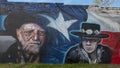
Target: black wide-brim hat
90, 30
14, 20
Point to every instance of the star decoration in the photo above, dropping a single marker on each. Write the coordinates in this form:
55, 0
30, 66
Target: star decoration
60, 24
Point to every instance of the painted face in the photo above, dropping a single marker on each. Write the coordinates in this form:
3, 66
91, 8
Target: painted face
31, 36
90, 44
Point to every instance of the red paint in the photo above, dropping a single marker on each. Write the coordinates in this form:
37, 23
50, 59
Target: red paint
114, 43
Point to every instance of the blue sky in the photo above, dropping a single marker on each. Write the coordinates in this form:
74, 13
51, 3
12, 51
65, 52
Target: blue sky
73, 2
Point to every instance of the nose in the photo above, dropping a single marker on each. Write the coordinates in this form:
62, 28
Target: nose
88, 42
35, 35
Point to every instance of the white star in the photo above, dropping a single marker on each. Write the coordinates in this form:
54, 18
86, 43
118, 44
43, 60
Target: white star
60, 24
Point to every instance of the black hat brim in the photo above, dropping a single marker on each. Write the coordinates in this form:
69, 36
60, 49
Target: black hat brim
80, 34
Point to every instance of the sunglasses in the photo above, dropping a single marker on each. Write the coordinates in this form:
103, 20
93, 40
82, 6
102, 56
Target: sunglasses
90, 39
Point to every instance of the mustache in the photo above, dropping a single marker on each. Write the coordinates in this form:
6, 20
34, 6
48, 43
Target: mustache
32, 42
35, 42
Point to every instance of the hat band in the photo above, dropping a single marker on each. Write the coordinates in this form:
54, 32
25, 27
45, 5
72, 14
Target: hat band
90, 32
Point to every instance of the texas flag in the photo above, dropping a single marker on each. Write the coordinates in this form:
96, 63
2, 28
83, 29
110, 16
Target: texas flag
114, 43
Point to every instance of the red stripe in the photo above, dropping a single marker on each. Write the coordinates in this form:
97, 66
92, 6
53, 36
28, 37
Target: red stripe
114, 42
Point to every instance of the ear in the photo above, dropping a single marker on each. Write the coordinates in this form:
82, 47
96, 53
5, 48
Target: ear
18, 32
99, 40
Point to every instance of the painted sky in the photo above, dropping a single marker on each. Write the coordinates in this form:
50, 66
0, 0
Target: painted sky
71, 2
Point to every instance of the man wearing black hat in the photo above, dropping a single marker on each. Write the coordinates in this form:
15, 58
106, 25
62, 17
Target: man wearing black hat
30, 38
89, 50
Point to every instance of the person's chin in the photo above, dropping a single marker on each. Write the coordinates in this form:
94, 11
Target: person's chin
35, 51
89, 50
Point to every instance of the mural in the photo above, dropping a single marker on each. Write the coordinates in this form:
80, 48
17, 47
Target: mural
55, 33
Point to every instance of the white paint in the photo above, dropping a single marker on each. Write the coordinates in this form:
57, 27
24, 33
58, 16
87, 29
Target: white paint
106, 24
6, 42
60, 24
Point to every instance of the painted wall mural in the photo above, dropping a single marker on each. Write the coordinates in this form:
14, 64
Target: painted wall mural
56, 33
